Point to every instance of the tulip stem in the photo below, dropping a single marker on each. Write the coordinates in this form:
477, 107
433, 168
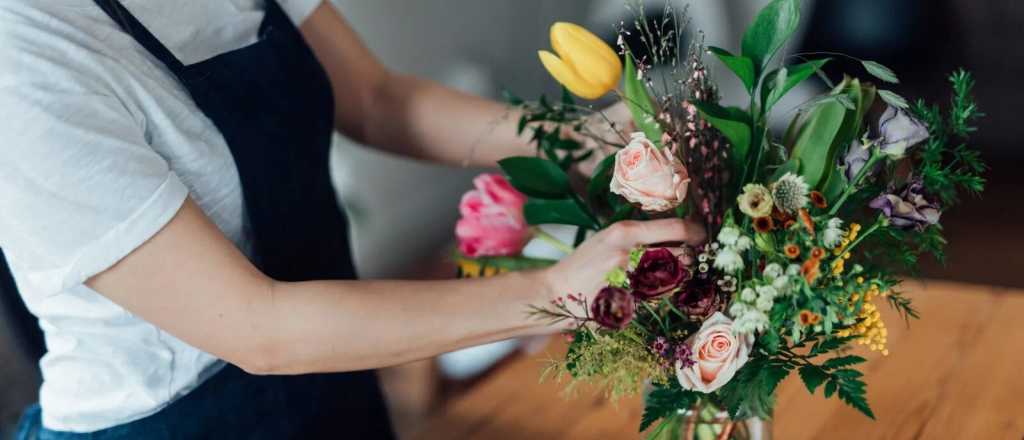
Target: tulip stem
542, 235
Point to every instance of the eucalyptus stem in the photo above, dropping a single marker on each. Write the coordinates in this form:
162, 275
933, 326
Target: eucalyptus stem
542, 235
876, 156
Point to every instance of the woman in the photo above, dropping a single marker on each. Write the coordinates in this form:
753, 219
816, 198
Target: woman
168, 217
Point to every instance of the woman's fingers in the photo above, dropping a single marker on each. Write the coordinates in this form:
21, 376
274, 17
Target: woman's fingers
671, 230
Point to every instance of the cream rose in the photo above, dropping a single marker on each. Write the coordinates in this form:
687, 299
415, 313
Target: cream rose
717, 353
756, 201
649, 176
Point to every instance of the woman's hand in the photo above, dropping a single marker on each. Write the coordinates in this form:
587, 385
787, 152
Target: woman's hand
610, 126
583, 272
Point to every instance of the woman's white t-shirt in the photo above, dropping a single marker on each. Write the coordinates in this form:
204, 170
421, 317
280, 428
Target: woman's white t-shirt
99, 147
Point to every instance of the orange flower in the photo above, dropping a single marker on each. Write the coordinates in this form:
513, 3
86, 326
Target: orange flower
805, 219
780, 216
763, 224
809, 270
792, 251
818, 200
817, 253
808, 317
788, 223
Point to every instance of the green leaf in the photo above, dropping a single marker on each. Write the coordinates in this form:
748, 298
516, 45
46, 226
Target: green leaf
640, 103
830, 388
734, 125
834, 186
852, 392
847, 373
663, 401
814, 143
598, 186
827, 345
842, 361
536, 177
795, 75
893, 99
879, 71
770, 30
559, 211
790, 166
742, 66
813, 376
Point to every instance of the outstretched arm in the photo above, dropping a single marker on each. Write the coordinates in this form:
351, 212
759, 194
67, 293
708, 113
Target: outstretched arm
409, 115
192, 282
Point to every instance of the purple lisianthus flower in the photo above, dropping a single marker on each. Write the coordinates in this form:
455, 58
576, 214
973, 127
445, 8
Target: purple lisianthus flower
660, 346
899, 131
613, 308
911, 208
856, 157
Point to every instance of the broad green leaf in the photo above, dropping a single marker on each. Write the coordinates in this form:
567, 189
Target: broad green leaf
734, 125
790, 166
536, 177
834, 185
640, 103
742, 66
813, 146
769, 31
795, 75
893, 99
602, 178
559, 212
830, 388
813, 377
879, 71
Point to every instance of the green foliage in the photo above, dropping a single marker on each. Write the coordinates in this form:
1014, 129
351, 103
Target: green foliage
770, 30
597, 188
879, 71
734, 125
893, 99
742, 66
559, 211
751, 393
617, 362
771, 93
640, 103
536, 177
664, 401
813, 143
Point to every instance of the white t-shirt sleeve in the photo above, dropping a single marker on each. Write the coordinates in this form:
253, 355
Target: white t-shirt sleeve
80, 188
299, 10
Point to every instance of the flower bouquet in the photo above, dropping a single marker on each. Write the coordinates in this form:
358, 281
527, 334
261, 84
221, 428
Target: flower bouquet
810, 227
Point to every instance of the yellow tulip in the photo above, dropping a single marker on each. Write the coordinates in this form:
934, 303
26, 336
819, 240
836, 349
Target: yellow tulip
585, 65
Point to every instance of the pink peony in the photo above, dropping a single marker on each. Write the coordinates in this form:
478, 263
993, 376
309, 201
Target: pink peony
492, 222
649, 176
717, 354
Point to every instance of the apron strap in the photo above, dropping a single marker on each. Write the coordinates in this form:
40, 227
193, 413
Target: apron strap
131, 25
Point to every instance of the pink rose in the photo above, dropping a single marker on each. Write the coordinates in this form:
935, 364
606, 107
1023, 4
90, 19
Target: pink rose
717, 354
492, 222
650, 176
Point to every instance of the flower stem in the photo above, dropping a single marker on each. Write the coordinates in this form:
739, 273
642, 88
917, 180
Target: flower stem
876, 156
860, 237
542, 235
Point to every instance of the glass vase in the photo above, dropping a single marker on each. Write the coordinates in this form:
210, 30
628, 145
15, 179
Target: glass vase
709, 423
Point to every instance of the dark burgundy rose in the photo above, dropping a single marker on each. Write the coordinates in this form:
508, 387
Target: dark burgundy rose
613, 308
699, 298
658, 272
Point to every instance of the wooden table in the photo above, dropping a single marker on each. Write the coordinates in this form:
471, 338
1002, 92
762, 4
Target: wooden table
958, 373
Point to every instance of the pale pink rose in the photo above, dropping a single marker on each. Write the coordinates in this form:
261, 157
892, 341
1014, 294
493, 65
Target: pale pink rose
649, 176
492, 222
717, 354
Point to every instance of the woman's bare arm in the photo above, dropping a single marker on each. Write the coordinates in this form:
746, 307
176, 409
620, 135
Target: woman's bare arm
404, 114
192, 282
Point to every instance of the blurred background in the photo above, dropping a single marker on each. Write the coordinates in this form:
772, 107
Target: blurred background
484, 47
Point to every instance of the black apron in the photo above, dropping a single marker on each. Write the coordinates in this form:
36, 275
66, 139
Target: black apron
273, 104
